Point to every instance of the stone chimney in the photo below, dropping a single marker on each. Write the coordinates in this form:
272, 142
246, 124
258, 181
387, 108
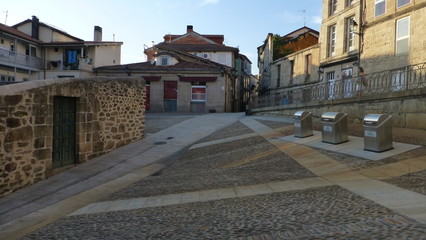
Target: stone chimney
189, 28
97, 34
35, 27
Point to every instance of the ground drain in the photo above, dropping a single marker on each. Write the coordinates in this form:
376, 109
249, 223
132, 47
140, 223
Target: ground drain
160, 143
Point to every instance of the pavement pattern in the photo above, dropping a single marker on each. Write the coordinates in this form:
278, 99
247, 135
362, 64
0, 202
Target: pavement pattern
243, 181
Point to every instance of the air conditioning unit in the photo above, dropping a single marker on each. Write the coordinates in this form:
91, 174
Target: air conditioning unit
203, 55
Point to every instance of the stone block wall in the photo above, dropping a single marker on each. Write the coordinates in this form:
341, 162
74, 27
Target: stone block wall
110, 114
408, 108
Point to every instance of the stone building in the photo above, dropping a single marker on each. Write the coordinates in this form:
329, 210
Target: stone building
48, 126
288, 61
339, 39
191, 72
394, 34
33, 50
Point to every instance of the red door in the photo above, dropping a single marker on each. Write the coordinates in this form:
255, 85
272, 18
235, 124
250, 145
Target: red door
170, 96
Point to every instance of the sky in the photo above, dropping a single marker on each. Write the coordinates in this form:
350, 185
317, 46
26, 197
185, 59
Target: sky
244, 23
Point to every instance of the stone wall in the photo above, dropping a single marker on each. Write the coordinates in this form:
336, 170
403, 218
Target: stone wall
110, 114
408, 108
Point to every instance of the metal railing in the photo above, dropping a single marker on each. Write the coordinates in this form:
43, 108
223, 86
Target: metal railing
20, 59
394, 80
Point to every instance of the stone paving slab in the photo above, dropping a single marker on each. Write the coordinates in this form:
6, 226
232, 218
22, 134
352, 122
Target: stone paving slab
396, 169
354, 147
335, 172
224, 140
202, 196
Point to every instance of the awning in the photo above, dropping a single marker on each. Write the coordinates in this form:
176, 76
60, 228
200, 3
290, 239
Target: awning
151, 78
197, 79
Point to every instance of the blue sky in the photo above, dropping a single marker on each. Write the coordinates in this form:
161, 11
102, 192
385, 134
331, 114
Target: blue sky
245, 23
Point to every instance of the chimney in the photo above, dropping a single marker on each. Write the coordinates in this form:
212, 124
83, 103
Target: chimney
97, 34
35, 27
189, 28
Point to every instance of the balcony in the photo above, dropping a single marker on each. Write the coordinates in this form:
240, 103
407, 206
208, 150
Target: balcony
390, 83
83, 64
22, 61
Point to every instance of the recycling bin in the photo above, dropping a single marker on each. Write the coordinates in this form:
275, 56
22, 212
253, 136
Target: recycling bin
378, 132
303, 124
334, 127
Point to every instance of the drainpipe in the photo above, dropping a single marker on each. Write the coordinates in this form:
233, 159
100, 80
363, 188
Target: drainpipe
360, 31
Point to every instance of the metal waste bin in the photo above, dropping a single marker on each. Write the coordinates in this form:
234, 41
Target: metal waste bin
303, 124
334, 127
378, 132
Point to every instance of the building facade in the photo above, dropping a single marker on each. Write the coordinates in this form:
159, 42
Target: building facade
340, 40
32, 50
290, 60
394, 34
191, 72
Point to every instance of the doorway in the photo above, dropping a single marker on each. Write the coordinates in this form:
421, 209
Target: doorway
64, 132
170, 96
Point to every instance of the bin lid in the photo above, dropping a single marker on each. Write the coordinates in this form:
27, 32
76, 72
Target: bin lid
332, 116
301, 114
375, 119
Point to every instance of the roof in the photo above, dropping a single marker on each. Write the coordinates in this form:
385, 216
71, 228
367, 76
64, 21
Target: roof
196, 47
301, 31
217, 39
47, 26
82, 43
148, 66
15, 32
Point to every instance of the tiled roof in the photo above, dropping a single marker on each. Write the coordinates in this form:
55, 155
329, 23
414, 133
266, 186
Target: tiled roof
50, 27
215, 38
147, 66
196, 47
17, 33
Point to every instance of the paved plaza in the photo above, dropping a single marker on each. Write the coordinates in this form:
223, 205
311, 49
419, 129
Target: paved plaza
229, 176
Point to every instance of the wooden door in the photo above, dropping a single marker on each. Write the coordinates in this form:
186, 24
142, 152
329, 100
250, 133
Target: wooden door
64, 132
170, 96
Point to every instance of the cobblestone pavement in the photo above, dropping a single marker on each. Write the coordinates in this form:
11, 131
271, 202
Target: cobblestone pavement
317, 213
244, 162
414, 181
321, 213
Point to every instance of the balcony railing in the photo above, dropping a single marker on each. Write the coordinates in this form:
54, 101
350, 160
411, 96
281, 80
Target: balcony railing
20, 60
394, 80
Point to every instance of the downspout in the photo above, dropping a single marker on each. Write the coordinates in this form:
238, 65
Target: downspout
361, 31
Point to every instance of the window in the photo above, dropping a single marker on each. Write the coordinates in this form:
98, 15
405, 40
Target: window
331, 85
402, 36
401, 3
308, 64
348, 83
278, 75
399, 80
380, 7
349, 3
330, 76
331, 40
332, 7
349, 34
198, 92
164, 61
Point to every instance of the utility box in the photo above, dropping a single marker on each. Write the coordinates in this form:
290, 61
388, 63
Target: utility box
378, 132
303, 124
334, 127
